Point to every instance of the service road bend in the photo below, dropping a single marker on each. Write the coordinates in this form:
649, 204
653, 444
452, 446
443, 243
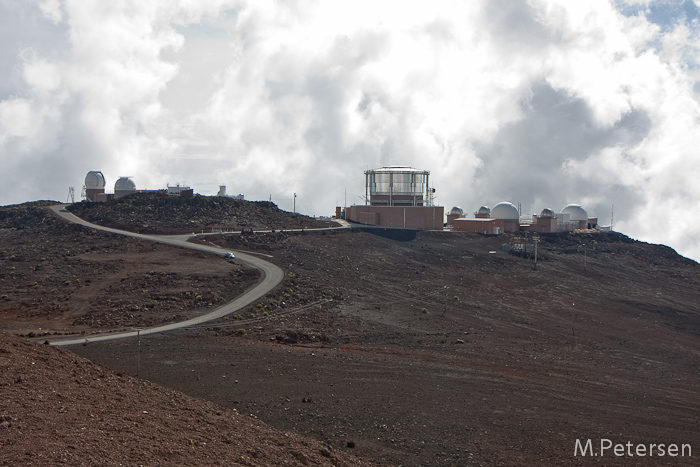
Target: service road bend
609, 448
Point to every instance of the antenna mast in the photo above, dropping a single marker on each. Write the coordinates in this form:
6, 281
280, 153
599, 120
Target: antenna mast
612, 211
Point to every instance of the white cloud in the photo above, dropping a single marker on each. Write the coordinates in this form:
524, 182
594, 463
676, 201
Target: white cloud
52, 10
17, 118
545, 102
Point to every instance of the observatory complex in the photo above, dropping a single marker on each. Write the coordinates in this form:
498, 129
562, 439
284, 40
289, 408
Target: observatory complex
397, 197
94, 189
505, 217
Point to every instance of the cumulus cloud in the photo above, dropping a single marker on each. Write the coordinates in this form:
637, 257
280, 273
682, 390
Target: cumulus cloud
52, 10
541, 102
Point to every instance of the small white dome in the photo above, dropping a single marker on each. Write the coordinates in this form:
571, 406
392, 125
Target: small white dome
575, 212
505, 211
94, 180
546, 212
125, 184
456, 211
484, 210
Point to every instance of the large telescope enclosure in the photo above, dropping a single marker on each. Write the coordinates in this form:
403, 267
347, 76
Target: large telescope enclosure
397, 186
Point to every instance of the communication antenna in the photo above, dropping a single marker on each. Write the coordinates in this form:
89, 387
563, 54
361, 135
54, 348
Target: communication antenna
71, 195
612, 211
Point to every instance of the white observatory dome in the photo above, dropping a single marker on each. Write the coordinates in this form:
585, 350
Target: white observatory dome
575, 212
484, 210
94, 180
125, 184
546, 212
505, 211
456, 211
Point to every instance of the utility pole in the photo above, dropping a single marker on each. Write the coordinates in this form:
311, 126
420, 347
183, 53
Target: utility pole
535, 239
295, 203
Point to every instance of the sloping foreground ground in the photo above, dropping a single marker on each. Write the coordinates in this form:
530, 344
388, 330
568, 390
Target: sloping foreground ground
60, 409
424, 349
443, 349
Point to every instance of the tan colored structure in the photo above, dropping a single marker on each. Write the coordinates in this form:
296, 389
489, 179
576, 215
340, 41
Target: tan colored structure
573, 217
504, 217
485, 226
455, 213
410, 217
451, 218
397, 197
482, 226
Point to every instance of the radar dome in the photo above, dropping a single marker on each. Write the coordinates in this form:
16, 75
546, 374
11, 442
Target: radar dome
575, 212
125, 184
484, 210
546, 212
505, 211
94, 180
456, 211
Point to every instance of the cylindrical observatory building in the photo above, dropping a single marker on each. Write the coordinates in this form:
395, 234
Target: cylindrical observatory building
398, 197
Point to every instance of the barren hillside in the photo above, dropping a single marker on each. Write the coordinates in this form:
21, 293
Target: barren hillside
61, 409
429, 348
164, 214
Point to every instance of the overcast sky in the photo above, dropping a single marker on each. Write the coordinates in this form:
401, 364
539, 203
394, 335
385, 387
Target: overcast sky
542, 103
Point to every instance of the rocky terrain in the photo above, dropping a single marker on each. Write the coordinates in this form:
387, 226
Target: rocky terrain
163, 214
73, 279
61, 409
440, 348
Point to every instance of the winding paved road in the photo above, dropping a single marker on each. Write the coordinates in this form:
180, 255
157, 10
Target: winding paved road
271, 275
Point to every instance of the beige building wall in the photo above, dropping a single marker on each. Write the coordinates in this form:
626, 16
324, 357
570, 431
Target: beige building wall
409, 217
486, 226
92, 193
451, 218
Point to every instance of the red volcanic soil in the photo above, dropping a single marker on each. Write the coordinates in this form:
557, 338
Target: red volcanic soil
443, 349
440, 348
61, 409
